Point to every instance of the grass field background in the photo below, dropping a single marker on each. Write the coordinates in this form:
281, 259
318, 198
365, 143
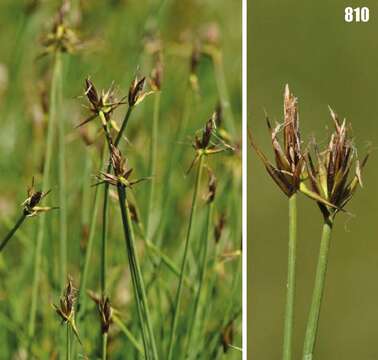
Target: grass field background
115, 34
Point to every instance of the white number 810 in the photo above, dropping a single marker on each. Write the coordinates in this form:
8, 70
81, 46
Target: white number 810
359, 14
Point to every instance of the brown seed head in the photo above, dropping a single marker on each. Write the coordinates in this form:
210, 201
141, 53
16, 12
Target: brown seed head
66, 303
31, 204
330, 182
212, 187
289, 160
218, 229
61, 38
105, 103
157, 73
121, 171
105, 313
137, 91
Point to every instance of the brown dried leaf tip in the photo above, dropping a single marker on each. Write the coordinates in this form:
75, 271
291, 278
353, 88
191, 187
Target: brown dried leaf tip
121, 171
329, 181
31, 204
61, 38
105, 103
66, 308
137, 91
289, 159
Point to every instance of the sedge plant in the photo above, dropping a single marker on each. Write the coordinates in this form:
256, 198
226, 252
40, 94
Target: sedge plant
286, 173
332, 187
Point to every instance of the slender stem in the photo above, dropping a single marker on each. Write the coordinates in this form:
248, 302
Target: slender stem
184, 261
290, 286
105, 219
45, 185
12, 231
313, 319
104, 345
138, 284
104, 234
82, 300
68, 350
128, 334
62, 175
152, 165
202, 278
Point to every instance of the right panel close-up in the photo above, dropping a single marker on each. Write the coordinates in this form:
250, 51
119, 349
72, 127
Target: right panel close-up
312, 205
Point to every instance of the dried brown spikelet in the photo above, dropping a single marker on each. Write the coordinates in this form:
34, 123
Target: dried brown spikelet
289, 159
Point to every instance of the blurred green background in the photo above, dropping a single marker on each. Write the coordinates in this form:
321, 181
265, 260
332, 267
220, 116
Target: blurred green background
325, 61
116, 31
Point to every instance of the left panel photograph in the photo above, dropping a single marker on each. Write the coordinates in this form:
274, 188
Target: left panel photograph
121, 179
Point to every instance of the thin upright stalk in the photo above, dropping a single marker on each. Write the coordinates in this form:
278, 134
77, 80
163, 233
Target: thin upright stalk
68, 349
45, 185
12, 231
62, 176
136, 273
177, 303
290, 286
152, 164
82, 300
104, 234
202, 277
105, 220
313, 319
104, 345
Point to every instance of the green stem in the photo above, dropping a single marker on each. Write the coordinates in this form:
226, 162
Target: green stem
82, 300
105, 219
104, 234
68, 350
290, 286
201, 280
12, 231
62, 175
313, 319
138, 283
152, 165
104, 345
45, 185
128, 334
184, 261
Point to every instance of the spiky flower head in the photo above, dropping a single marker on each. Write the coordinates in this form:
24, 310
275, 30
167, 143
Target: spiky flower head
121, 171
330, 181
289, 159
137, 91
31, 204
203, 144
101, 105
104, 308
66, 308
61, 38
